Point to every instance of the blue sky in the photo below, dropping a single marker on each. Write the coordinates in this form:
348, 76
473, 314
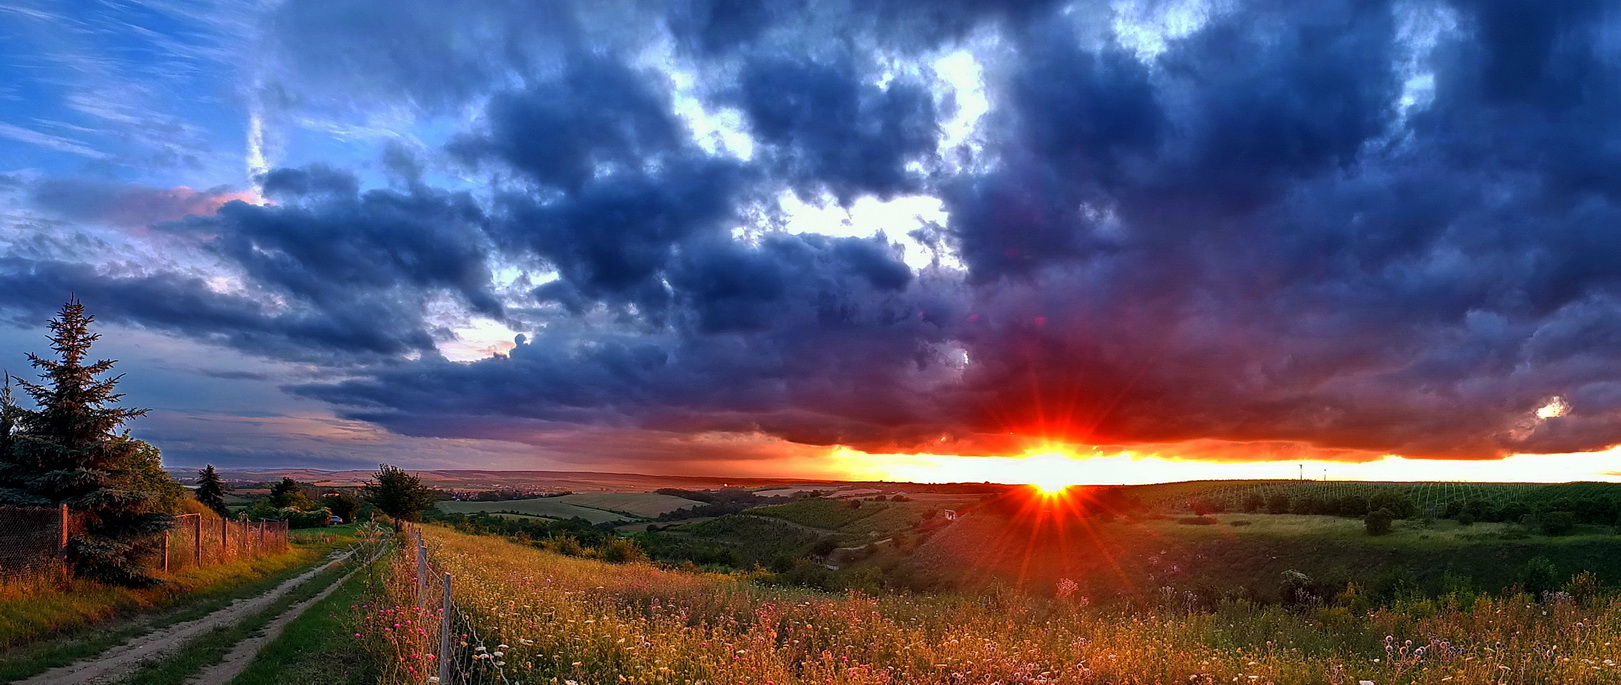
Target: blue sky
798, 237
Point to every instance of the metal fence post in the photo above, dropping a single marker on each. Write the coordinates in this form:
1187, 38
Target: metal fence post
444, 637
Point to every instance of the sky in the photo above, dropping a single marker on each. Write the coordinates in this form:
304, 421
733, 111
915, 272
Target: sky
1119, 241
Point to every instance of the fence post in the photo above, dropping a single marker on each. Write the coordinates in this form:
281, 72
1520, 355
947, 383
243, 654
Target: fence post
165, 551
62, 547
197, 541
444, 636
422, 574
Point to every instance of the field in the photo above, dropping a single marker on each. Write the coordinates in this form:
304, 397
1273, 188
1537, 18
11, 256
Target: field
1245, 555
586, 621
548, 507
854, 525
643, 504
1432, 498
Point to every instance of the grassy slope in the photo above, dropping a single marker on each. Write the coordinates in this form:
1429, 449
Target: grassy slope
549, 507
589, 621
1124, 557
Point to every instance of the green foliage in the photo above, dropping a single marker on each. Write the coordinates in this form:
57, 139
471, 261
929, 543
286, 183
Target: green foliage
1298, 589
399, 494
146, 475
1378, 521
211, 490
295, 518
622, 551
1556, 522
1538, 576
289, 494
342, 505
67, 452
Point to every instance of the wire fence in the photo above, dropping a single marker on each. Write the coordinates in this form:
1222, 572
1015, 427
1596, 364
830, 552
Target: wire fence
195, 542
33, 542
463, 657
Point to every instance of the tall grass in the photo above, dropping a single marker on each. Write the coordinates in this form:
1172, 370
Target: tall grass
566, 619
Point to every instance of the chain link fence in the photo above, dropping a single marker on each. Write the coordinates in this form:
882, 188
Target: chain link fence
32, 541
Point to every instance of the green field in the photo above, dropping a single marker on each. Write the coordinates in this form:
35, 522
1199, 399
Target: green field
546, 507
643, 504
1431, 498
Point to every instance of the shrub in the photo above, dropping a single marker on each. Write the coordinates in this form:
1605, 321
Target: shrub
1466, 518
623, 551
1297, 588
1378, 521
1556, 522
1197, 520
1538, 576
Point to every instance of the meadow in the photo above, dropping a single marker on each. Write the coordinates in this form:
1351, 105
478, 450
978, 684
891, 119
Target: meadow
557, 619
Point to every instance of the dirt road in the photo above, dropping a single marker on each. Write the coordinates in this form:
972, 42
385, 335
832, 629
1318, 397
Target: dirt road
125, 658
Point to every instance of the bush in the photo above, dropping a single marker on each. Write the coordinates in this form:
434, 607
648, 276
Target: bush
1556, 522
622, 551
1197, 520
1378, 521
1297, 588
1538, 576
1466, 518
1254, 503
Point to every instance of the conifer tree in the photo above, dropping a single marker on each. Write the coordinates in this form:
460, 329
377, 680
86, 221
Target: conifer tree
211, 490
67, 452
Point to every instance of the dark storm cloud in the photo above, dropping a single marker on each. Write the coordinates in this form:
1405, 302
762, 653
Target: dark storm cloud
1247, 238
1297, 224
186, 305
827, 129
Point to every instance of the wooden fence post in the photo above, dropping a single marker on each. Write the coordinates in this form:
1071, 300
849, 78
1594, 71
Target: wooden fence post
444, 636
197, 541
225, 539
166, 551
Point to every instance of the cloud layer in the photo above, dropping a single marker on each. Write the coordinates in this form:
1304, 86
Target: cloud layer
1342, 229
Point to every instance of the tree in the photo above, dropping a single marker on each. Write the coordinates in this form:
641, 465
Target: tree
399, 494
147, 475
211, 490
289, 494
342, 505
66, 452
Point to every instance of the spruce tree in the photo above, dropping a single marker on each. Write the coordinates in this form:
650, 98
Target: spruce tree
67, 452
211, 490
8, 425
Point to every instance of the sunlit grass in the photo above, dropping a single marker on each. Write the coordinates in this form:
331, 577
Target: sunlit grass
573, 619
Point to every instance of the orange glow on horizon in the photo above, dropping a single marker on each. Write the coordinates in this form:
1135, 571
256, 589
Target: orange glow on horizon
1052, 469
